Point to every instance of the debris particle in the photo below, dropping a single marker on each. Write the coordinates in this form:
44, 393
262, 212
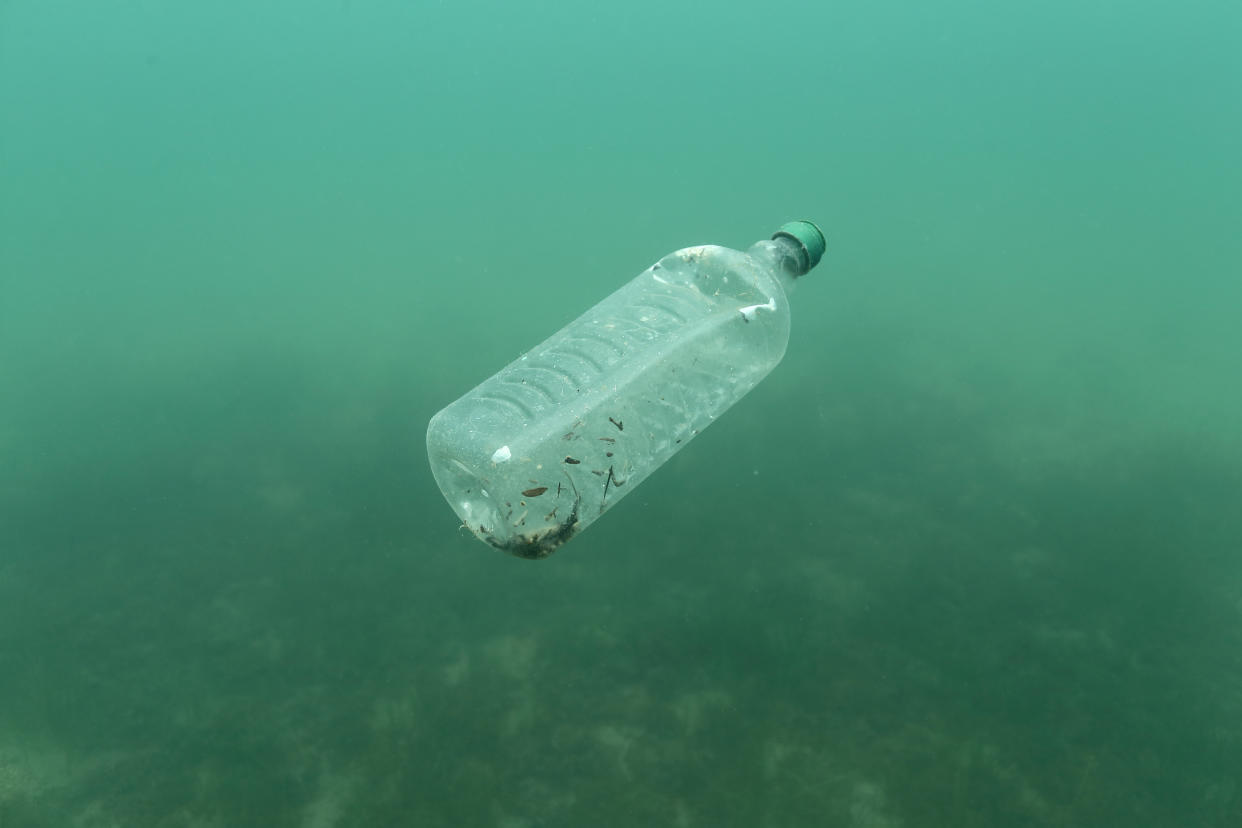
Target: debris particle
535, 492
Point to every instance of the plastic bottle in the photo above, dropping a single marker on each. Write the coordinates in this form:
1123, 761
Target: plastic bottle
535, 454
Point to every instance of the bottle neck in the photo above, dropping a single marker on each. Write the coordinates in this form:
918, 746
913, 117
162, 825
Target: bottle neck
784, 257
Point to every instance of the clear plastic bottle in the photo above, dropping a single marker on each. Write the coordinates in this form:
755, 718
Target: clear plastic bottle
535, 454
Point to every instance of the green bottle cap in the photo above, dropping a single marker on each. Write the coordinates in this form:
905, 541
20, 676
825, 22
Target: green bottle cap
808, 236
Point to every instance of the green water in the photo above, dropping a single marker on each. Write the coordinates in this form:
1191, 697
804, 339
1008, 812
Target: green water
971, 556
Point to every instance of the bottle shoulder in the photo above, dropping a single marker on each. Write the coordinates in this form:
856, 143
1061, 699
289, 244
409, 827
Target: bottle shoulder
718, 272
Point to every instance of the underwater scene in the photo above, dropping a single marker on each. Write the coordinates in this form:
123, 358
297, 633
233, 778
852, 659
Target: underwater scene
970, 555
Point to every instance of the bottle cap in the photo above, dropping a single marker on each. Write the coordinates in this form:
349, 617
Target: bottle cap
808, 236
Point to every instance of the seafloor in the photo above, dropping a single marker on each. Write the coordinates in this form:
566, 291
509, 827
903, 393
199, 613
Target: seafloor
954, 617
